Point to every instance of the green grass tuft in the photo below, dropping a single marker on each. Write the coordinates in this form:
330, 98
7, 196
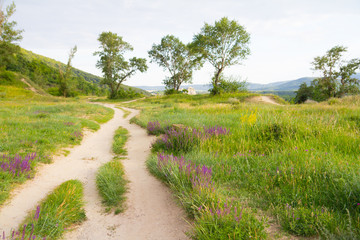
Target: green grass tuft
61, 209
112, 185
120, 138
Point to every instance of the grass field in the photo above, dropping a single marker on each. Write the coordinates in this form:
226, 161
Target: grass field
297, 163
34, 127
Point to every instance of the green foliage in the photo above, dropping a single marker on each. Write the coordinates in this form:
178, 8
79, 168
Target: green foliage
65, 84
305, 221
215, 216
304, 93
112, 185
113, 64
213, 226
120, 138
61, 209
8, 78
8, 36
128, 93
224, 44
177, 58
337, 77
276, 156
45, 73
228, 85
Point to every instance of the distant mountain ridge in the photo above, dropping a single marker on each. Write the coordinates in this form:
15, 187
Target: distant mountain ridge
292, 85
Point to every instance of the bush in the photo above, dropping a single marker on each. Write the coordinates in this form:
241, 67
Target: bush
184, 139
155, 128
127, 93
7, 78
171, 91
229, 85
177, 140
54, 91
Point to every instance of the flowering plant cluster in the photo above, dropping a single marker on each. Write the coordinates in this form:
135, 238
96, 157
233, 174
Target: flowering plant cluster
17, 165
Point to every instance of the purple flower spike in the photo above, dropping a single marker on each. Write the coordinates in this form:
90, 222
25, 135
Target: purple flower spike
37, 213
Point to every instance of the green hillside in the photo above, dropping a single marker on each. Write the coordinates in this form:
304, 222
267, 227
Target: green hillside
43, 74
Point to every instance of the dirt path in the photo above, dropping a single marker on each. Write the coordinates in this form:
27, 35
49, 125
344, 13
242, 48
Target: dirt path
29, 85
151, 213
265, 99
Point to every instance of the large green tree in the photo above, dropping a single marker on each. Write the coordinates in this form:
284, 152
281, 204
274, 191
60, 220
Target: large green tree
8, 36
224, 44
177, 58
115, 68
65, 78
336, 80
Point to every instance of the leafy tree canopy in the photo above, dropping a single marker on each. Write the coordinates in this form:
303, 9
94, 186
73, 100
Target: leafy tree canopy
177, 58
336, 80
8, 35
113, 64
223, 44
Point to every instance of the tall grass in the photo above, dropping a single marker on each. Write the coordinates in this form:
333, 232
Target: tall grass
298, 163
61, 209
120, 138
112, 185
110, 179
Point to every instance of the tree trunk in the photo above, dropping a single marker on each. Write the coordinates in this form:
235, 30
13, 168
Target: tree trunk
217, 76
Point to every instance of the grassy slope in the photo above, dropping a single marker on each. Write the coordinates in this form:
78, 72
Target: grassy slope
78, 73
287, 160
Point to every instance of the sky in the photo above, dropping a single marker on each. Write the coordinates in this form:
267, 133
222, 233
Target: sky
285, 35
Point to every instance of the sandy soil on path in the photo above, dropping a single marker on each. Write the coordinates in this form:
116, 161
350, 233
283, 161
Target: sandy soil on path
29, 85
265, 99
151, 210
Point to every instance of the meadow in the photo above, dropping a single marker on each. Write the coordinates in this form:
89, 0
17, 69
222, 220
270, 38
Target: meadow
236, 166
33, 128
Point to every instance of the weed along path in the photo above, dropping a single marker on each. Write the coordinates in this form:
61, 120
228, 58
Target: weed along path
151, 211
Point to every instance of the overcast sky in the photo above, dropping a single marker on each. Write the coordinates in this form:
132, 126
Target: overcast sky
285, 34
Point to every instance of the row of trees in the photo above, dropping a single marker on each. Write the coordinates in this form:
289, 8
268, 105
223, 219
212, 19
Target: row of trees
337, 77
223, 44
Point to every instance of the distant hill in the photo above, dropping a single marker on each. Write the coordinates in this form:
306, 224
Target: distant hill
283, 86
292, 85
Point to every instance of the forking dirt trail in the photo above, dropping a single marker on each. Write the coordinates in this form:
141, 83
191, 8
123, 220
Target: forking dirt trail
151, 211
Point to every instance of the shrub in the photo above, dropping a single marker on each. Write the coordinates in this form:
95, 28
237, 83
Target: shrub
127, 93
154, 128
177, 140
229, 85
184, 139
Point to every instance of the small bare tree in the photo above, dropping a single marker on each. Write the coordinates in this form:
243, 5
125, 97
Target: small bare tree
65, 78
